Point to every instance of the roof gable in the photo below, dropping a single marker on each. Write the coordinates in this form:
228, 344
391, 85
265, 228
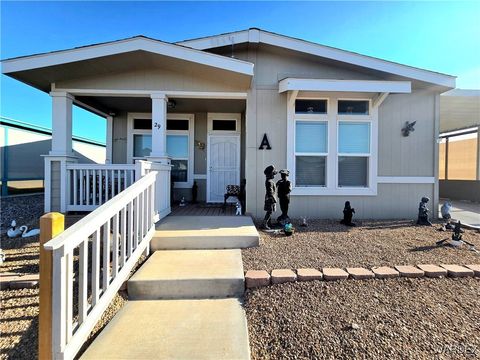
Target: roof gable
123, 46
260, 36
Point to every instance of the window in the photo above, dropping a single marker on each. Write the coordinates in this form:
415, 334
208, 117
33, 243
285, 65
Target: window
353, 107
311, 151
332, 147
353, 153
178, 148
177, 124
142, 124
142, 145
179, 143
224, 125
310, 106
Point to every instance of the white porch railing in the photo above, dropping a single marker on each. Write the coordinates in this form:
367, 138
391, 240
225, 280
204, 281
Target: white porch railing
91, 185
92, 258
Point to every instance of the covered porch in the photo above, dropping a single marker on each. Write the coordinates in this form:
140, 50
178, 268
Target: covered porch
195, 143
170, 109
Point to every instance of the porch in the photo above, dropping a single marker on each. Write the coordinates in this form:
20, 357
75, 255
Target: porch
196, 144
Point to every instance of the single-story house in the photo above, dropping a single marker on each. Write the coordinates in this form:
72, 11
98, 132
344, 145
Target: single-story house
220, 109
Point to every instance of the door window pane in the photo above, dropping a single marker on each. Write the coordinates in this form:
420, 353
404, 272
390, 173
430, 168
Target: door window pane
311, 137
224, 125
177, 146
356, 107
179, 170
310, 170
354, 138
177, 124
352, 171
310, 106
142, 145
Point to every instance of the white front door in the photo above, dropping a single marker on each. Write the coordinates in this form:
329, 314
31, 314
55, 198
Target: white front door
223, 165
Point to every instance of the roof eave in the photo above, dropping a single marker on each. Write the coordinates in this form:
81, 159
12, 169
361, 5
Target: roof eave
10, 66
261, 36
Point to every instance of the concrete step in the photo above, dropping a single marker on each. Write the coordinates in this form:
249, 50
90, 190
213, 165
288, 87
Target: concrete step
188, 274
205, 232
174, 329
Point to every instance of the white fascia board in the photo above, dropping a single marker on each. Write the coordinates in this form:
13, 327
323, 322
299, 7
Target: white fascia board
211, 42
374, 86
124, 46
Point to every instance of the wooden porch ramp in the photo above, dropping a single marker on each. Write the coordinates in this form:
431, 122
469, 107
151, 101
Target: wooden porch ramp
185, 304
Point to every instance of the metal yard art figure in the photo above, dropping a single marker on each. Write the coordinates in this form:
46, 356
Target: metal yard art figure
348, 212
457, 239
423, 212
270, 200
284, 188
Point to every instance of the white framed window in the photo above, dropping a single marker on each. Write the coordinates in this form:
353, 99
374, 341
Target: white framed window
354, 138
223, 123
332, 147
179, 138
180, 148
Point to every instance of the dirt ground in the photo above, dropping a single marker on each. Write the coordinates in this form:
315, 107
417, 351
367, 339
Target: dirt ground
370, 243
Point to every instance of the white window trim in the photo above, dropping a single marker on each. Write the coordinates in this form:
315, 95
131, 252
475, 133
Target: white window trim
190, 132
223, 116
333, 118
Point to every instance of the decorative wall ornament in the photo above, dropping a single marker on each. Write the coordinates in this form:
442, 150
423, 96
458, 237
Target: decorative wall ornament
408, 128
265, 144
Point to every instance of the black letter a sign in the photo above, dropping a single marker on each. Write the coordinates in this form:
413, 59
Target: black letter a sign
265, 143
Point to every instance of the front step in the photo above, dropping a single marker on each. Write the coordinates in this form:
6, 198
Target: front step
188, 274
205, 232
174, 329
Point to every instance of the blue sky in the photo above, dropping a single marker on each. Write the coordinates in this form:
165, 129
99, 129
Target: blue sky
440, 36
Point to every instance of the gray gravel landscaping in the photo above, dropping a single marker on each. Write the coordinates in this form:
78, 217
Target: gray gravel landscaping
372, 243
372, 319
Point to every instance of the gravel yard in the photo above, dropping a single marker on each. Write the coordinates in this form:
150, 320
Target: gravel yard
373, 319
370, 243
19, 308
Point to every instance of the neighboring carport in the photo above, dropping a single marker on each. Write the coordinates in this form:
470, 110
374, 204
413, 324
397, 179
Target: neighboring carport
460, 145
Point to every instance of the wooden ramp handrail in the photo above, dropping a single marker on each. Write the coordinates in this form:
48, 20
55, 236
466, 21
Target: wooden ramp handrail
91, 260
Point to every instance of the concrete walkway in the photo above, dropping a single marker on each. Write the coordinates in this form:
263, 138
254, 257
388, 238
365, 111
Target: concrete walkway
466, 211
185, 304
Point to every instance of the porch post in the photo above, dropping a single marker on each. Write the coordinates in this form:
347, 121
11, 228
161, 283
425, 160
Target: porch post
159, 125
109, 142
159, 157
56, 177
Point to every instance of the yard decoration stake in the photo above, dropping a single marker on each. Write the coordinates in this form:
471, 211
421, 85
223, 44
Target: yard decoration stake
51, 225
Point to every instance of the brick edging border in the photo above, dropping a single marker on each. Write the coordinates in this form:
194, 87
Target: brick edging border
260, 278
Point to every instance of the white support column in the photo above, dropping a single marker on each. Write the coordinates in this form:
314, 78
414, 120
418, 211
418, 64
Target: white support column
159, 157
109, 142
159, 125
56, 175
62, 103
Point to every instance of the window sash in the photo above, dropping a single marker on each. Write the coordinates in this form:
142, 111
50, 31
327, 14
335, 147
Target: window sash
349, 149
363, 174
302, 136
311, 176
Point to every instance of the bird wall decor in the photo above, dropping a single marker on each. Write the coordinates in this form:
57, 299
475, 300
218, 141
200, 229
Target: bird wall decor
408, 128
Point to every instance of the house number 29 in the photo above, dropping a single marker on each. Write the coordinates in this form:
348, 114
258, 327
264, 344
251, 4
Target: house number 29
157, 125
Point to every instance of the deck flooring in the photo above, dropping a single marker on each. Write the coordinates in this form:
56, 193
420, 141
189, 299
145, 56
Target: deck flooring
203, 209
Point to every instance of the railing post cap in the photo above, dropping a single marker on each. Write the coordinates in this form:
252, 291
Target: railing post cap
53, 216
